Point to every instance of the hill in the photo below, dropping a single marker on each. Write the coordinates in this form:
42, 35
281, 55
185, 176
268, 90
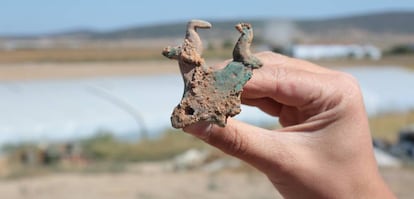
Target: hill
390, 22
385, 28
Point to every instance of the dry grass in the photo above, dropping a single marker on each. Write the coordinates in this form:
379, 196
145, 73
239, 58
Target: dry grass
78, 55
387, 126
397, 60
95, 55
106, 148
90, 62
154, 53
28, 71
64, 63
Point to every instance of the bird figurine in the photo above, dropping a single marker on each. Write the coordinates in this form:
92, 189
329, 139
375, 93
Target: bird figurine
211, 95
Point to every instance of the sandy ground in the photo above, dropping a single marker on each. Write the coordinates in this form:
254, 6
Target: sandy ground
26, 71
70, 70
154, 181
146, 181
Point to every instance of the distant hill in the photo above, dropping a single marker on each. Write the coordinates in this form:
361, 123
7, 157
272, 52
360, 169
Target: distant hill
398, 27
169, 30
388, 22
382, 29
153, 31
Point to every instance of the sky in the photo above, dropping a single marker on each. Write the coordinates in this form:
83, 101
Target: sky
25, 17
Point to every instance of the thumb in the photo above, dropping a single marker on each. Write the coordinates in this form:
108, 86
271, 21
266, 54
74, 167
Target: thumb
252, 144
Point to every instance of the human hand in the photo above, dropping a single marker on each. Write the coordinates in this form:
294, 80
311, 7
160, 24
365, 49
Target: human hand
324, 149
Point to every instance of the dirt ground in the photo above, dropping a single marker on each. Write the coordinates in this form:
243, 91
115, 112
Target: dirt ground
59, 70
70, 70
29, 71
141, 181
155, 181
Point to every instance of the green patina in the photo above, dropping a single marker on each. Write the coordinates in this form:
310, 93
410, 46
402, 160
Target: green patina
232, 78
253, 62
172, 52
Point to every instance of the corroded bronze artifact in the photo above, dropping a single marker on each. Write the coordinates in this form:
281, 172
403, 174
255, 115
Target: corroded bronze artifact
211, 95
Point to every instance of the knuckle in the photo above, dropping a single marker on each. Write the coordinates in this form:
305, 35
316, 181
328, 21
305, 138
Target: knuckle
269, 55
349, 84
347, 78
348, 89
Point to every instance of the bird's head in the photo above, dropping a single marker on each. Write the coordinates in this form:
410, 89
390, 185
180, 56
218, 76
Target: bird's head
243, 28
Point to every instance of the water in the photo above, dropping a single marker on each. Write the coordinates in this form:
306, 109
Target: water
385, 89
50, 110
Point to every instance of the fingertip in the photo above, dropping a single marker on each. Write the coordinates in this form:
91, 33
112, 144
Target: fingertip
200, 129
237, 139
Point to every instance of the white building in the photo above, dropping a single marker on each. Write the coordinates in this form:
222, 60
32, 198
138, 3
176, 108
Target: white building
316, 52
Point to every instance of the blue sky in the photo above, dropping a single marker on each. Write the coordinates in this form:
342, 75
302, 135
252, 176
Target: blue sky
46, 16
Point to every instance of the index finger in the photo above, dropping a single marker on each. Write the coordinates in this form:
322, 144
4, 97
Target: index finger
288, 81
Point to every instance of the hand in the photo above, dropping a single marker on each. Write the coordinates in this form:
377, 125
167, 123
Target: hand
324, 149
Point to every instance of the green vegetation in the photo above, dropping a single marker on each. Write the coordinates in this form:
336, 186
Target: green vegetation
100, 153
228, 44
105, 153
401, 49
104, 147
